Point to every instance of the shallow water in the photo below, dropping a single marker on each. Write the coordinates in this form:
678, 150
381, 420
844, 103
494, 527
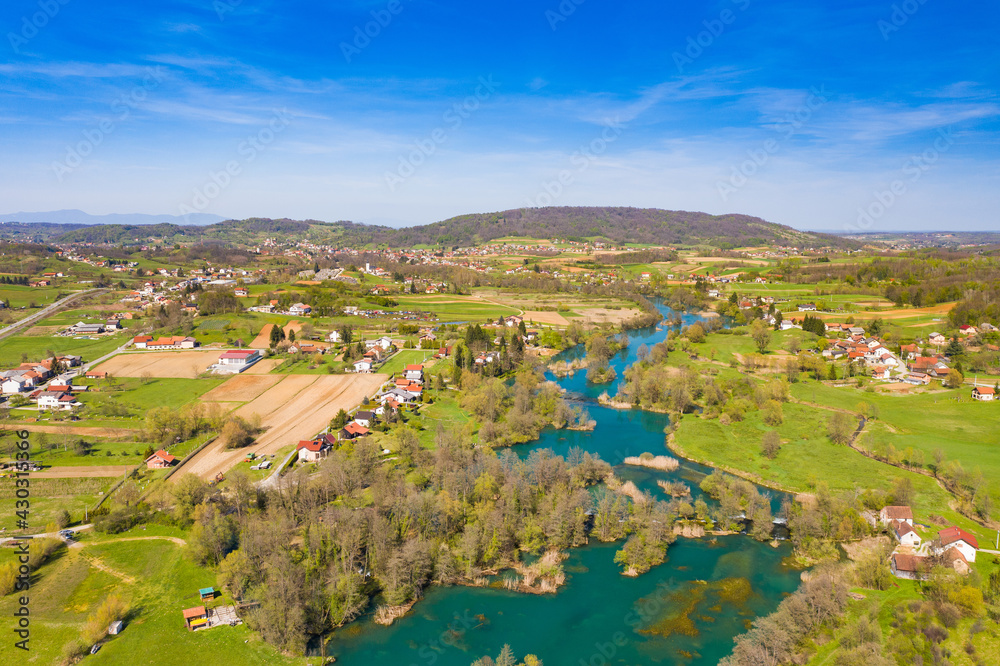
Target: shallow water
685, 611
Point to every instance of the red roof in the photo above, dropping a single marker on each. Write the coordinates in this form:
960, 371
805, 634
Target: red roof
164, 456
313, 445
898, 512
242, 353
197, 611
414, 367
982, 390
356, 429
950, 535
906, 562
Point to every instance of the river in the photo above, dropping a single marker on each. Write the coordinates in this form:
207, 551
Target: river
685, 611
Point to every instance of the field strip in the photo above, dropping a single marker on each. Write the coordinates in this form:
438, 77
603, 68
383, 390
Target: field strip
81, 472
295, 408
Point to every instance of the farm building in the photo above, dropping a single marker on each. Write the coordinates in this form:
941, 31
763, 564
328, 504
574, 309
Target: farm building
236, 360
196, 617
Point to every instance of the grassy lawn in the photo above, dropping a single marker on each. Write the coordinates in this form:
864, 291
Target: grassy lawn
155, 392
966, 430
806, 458
49, 497
35, 348
70, 588
398, 362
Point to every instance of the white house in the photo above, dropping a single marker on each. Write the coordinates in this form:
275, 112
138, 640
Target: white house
955, 537
415, 372
334, 336
14, 385
364, 418
313, 450
56, 400
385, 342
807, 307
300, 309
905, 534
982, 393
363, 365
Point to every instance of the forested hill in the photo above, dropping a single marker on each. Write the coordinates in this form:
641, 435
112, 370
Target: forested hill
618, 225
615, 225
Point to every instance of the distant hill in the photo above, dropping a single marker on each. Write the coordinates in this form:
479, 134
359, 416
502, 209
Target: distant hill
614, 225
73, 216
618, 225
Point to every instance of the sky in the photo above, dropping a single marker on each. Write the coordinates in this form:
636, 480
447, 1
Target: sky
838, 115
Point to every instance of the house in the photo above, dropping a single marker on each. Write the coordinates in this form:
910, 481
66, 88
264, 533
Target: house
966, 329
363, 365
937, 339
807, 307
443, 352
313, 450
385, 342
353, 430
889, 514
56, 400
955, 537
414, 372
334, 336
953, 557
96, 374
905, 565
300, 309
909, 352
195, 618
983, 393
15, 385
139, 341
917, 379
236, 360
364, 418
241, 292
160, 460
173, 342
880, 372
905, 534
513, 321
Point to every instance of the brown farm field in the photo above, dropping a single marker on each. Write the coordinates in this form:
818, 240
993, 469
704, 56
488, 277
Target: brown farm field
263, 339
241, 388
181, 364
901, 313
294, 408
540, 317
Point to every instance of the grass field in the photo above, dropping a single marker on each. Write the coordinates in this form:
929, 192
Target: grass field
71, 587
404, 357
35, 348
966, 430
49, 497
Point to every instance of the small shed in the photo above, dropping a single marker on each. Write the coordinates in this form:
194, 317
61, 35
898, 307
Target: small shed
207, 593
116, 627
195, 617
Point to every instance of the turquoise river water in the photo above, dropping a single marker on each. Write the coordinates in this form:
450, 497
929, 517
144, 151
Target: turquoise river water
685, 611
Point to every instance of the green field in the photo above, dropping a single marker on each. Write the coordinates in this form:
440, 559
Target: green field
71, 587
404, 357
35, 348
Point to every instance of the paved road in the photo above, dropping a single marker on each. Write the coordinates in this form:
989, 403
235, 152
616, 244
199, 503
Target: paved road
45, 312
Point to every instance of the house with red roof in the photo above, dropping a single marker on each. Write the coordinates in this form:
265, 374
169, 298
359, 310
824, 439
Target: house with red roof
956, 537
907, 565
414, 372
890, 514
236, 360
353, 430
160, 460
313, 450
984, 393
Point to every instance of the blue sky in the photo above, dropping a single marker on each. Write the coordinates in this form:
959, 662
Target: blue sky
838, 115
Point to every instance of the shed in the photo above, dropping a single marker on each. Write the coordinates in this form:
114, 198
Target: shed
195, 617
207, 593
116, 627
